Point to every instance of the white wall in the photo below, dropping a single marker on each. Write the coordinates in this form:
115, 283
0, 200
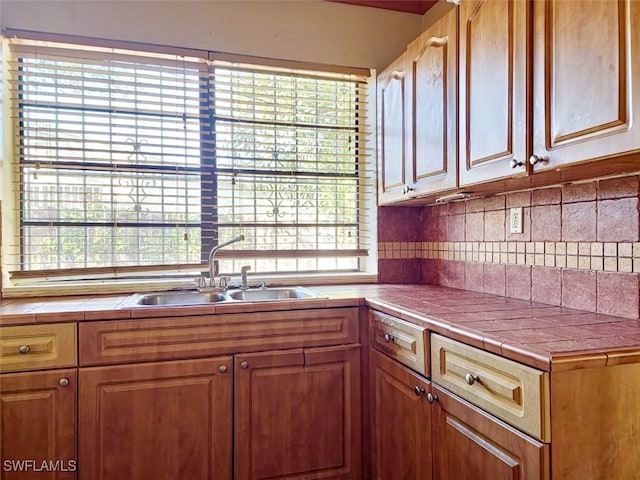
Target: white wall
308, 30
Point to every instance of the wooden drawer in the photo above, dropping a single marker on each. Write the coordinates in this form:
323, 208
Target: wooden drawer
35, 347
516, 393
404, 341
125, 341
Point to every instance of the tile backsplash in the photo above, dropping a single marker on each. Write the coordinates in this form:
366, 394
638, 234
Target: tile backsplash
579, 248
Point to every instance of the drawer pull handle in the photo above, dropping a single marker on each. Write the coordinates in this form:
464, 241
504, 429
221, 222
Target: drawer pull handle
389, 338
24, 349
471, 379
244, 364
223, 369
418, 390
431, 398
63, 382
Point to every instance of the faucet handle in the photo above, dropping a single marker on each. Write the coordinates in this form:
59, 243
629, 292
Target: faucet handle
224, 283
243, 274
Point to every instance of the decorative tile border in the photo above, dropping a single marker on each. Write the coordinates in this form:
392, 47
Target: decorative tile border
599, 256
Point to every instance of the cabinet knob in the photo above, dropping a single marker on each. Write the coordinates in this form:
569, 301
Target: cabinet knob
244, 364
515, 163
418, 390
24, 349
471, 379
63, 382
389, 338
406, 189
535, 159
223, 369
431, 398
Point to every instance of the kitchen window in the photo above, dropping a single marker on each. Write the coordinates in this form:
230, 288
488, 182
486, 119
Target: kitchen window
134, 163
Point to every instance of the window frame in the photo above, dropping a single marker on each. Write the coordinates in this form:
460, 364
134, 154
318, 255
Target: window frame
106, 277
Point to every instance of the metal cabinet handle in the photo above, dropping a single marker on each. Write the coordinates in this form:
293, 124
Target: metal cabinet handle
471, 379
24, 349
418, 390
515, 163
223, 369
389, 338
431, 398
244, 364
63, 382
535, 159
406, 189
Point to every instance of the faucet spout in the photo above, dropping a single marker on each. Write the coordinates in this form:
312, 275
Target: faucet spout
213, 270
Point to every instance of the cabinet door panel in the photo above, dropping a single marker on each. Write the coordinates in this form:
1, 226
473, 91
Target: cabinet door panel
391, 132
298, 414
493, 83
587, 73
164, 420
471, 445
401, 422
38, 422
433, 85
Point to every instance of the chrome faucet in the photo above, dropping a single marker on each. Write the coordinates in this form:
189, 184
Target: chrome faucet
213, 269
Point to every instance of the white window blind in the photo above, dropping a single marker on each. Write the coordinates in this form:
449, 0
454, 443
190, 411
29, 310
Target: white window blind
129, 161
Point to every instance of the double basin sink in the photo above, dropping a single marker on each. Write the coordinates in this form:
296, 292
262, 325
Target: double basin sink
194, 297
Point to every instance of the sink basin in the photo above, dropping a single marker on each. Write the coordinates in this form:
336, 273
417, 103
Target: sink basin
278, 293
180, 298
191, 297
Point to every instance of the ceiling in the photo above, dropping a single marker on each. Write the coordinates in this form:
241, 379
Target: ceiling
409, 6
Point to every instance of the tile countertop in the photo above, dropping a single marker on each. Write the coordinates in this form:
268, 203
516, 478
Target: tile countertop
539, 335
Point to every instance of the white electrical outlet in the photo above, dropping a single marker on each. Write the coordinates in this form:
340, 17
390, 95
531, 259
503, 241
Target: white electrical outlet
515, 220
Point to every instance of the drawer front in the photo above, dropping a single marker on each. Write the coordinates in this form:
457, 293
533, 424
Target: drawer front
516, 393
401, 340
33, 347
199, 336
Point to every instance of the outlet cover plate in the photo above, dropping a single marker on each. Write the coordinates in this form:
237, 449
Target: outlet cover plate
515, 220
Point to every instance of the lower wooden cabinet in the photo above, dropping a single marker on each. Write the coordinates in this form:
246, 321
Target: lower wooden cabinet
471, 445
38, 425
291, 414
401, 422
297, 414
161, 421
423, 432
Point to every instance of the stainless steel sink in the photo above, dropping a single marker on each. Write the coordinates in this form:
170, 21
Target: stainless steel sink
179, 298
191, 297
278, 293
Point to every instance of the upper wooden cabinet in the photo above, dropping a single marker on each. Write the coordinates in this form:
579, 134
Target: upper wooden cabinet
547, 92
586, 81
417, 115
391, 139
493, 89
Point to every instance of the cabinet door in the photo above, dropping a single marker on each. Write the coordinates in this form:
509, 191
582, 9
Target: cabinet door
586, 80
401, 422
433, 91
298, 414
162, 421
38, 424
494, 124
471, 445
392, 134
